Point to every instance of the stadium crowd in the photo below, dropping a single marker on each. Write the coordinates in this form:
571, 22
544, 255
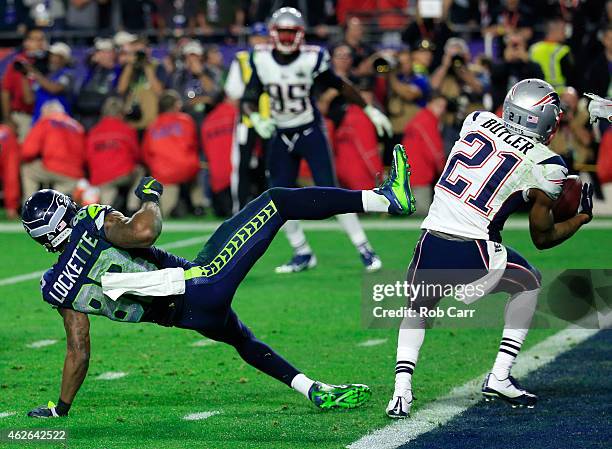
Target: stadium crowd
149, 93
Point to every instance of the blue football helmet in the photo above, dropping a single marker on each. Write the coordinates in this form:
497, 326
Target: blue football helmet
47, 217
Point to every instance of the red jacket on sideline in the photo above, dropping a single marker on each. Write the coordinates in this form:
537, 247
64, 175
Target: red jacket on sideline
9, 167
356, 151
112, 150
170, 148
217, 140
424, 147
604, 158
60, 141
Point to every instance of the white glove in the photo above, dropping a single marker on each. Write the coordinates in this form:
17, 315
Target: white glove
599, 108
263, 126
380, 120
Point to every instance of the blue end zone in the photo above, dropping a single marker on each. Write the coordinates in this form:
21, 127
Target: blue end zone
574, 408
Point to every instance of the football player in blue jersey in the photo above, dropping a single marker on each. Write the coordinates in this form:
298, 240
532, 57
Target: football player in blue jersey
107, 266
288, 71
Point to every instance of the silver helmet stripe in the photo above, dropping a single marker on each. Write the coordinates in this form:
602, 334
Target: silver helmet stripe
45, 229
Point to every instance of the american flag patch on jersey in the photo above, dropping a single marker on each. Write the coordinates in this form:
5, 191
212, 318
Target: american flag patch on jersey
532, 121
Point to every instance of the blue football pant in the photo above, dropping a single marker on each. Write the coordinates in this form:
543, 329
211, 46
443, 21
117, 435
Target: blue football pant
231, 252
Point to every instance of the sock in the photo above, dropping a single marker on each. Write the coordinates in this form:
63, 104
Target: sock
519, 312
302, 384
297, 238
353, 229
373, 202
315, 203
409, 342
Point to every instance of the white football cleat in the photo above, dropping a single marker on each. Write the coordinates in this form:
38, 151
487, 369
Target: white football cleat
298, 263
508, 390
399, 406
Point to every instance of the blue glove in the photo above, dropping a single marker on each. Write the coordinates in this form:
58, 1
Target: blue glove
586, 200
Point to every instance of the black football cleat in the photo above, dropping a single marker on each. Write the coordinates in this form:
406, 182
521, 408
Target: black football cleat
507, 390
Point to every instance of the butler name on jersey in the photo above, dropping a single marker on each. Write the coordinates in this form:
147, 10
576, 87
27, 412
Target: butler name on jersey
290, 85
487, 177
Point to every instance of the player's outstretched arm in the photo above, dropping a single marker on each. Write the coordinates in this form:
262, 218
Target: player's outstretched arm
76, 364
545, 233
329, 78
142, 229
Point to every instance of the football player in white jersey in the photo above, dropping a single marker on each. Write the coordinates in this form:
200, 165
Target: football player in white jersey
498, 166
288, 70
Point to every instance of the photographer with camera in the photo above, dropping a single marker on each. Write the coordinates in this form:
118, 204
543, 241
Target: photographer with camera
17, 97
408, 93
99, 82
454, 76
574, 138
194, 81
461, 83
56, 84
514, 67
141, 82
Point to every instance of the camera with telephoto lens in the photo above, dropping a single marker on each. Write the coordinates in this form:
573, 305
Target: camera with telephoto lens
141, 57
457, 61
384, 64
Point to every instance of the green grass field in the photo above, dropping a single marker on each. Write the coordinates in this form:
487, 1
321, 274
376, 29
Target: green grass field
313, 319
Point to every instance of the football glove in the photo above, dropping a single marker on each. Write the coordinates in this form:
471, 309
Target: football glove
599, 108
586, 200
263, 126
149, 189
380, 121
50, 410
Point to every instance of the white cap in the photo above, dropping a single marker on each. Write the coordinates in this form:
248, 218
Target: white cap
61, 49
193, 48
123, 37
103, 44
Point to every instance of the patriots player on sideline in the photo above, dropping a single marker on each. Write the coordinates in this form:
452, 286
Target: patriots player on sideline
107, 266
497, 167
288, 71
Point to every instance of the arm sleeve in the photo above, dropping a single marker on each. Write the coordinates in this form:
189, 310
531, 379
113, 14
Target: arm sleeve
328, 79
234, 87
548, 176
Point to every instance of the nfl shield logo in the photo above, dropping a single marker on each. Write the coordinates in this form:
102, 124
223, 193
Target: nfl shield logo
532, 121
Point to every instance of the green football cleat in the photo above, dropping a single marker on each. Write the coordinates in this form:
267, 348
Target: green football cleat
396, 188
326, 396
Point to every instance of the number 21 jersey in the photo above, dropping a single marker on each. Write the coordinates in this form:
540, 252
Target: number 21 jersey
487, 177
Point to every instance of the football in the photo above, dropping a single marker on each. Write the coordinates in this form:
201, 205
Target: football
567, 204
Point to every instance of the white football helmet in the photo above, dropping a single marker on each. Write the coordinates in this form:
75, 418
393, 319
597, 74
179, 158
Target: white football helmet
287, 29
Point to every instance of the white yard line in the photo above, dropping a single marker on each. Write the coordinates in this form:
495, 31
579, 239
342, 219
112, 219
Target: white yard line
21, 278
200, 415
461, 398
373, 342
38, 274
7, 414
111, 375
203, 343
330, 225
41, 344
